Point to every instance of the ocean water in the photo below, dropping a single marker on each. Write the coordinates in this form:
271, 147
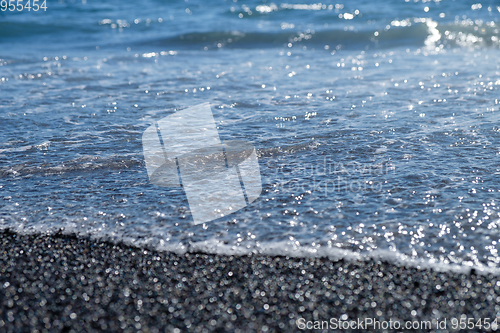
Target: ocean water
376, 124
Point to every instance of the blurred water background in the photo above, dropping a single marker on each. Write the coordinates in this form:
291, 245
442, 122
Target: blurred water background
376, 123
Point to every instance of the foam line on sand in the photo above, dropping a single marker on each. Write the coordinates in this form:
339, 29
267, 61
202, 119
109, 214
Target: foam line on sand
63, 283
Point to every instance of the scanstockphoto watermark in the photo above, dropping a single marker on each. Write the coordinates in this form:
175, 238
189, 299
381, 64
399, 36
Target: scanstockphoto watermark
332, 176
370, 324
184, 148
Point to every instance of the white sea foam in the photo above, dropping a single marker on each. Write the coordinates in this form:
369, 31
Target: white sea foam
277, 248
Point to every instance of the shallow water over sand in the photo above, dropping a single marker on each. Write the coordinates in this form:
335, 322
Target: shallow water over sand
370, 143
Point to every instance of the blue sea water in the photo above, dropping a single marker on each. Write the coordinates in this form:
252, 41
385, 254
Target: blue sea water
376, 124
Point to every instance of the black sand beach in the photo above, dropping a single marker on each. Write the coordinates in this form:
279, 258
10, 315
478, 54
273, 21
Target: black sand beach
61, 283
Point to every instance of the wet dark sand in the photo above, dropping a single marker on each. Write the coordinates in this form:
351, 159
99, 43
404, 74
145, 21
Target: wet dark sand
62, 283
